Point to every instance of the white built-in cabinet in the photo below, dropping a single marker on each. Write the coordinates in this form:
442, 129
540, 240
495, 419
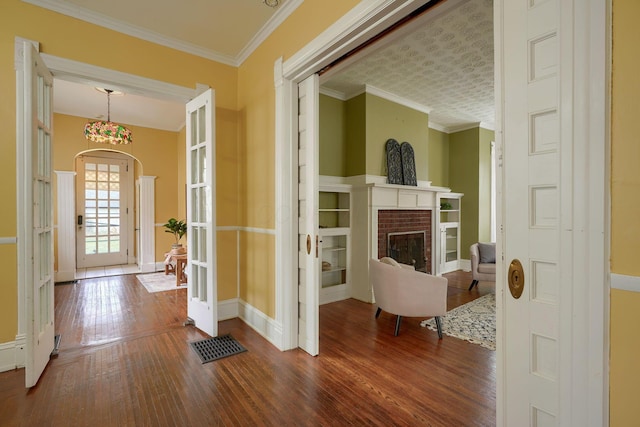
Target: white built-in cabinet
449, 232
334, 219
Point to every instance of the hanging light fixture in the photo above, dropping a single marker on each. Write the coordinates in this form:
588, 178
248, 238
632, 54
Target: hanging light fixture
107, 132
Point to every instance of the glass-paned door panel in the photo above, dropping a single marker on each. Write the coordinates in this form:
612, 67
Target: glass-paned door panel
202, 287
35, 242
102, 211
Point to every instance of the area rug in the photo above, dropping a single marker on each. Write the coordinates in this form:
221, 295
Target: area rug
158, 282
474, 321
215, 348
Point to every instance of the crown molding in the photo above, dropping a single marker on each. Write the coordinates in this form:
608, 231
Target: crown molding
333, 93
438, 127
274, 22
397, 99
101, 20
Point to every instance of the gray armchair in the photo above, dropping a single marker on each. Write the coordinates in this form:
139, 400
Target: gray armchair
483, 263
403, 291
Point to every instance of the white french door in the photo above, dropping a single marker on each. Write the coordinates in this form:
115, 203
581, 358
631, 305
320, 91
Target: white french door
308, 261
552, 138
36, 171
103, 212
202, 300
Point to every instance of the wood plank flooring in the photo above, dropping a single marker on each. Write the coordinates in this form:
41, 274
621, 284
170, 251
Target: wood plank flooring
125, 361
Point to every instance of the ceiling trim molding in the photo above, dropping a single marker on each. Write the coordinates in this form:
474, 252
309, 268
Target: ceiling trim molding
274, 22
95, 18
397, 99
333, 93
438, 127
460, 128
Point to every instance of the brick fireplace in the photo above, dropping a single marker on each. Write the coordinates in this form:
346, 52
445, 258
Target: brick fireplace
406, 222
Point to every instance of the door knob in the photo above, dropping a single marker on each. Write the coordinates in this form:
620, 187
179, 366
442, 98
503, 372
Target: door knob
516, 278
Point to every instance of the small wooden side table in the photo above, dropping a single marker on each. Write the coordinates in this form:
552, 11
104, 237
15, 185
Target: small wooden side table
181, 261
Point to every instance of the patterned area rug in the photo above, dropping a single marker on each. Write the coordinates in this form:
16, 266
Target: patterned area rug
158, 282
474, 321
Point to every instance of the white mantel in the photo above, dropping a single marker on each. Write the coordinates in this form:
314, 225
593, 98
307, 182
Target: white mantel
370, 194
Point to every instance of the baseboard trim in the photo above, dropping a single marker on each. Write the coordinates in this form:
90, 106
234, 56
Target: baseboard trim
625, 283
12, 354
262, 324
465, 264
228, 309
65, 276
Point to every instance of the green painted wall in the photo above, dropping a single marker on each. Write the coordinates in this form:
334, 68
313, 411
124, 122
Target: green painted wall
484, 184
386, 119
438, 158
356, 136
470, 173
333, 143
463, 178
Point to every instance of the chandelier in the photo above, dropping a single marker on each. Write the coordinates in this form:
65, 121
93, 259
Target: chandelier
107, 132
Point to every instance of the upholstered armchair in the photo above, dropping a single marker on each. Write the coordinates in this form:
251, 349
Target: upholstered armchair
483, 263
401, 290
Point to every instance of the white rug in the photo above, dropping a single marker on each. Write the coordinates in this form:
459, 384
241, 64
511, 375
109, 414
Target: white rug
474, 321
158, 282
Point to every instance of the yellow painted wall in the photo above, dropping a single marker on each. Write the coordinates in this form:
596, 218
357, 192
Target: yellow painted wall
76, 40
154, 149
256, 105
624, 379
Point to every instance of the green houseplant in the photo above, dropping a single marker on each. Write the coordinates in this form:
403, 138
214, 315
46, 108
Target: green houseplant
178, 228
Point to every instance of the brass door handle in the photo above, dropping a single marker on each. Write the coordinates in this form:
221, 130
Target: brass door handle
516, 278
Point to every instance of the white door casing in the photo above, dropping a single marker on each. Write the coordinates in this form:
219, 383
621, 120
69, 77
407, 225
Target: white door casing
308, 237
35, 169
202, 286
551, 123
103, 225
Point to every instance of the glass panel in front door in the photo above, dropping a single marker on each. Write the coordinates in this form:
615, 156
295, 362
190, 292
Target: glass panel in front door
102, 208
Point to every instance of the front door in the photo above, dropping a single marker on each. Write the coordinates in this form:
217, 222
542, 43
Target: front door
103, 212
37, 243
552, 139
202, 299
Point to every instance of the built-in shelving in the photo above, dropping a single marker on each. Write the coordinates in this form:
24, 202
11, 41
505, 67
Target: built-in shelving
334, 214
449, 219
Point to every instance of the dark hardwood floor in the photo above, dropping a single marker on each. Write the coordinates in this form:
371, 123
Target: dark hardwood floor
125, 361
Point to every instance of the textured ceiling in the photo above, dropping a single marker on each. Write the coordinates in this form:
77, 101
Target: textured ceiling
444, 64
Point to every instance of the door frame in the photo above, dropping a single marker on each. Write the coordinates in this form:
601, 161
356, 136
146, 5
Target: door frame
362, 23
131, 188
76, 71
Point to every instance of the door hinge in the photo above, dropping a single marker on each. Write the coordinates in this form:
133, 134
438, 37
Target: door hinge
127, 168
127, 211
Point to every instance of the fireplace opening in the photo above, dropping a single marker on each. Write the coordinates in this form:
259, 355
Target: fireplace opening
408, 248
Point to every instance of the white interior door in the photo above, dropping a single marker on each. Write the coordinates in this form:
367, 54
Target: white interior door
38, 121
547, 377
202, 287
308, 240
102, 218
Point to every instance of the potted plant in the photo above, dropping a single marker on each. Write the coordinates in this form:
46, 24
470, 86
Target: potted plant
178, 229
